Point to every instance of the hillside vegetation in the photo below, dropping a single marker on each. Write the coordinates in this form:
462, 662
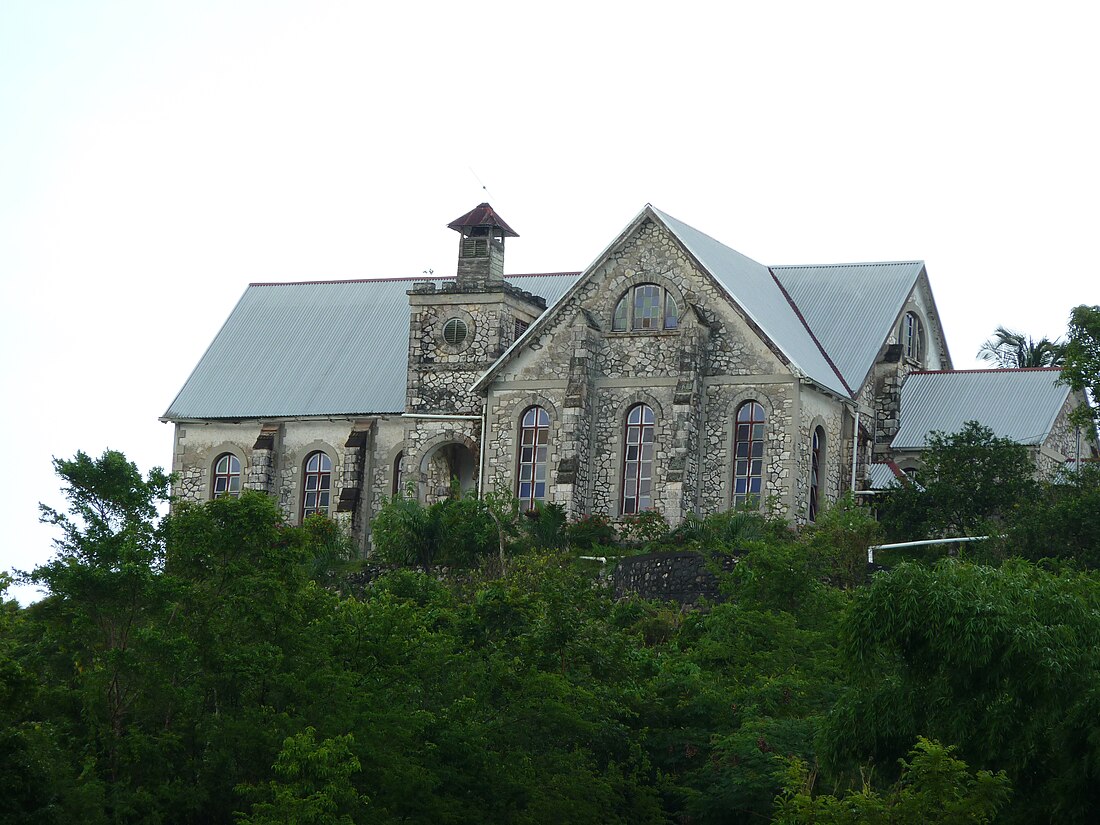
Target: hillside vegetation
211, 667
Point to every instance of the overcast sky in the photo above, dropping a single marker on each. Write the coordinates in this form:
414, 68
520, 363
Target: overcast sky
157, 157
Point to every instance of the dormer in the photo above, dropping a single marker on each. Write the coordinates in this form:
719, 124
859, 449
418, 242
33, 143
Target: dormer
481, 249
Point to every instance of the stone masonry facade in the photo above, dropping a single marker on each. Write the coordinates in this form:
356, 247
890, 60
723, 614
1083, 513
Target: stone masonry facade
467, 390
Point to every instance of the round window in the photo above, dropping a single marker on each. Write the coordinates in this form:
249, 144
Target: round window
455, 331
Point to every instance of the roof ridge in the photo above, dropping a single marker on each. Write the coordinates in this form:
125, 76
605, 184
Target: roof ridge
846, 266
542, 274
986, 370
334, 281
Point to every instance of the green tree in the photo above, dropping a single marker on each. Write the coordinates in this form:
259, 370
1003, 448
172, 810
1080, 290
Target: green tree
100, 639
743, 682
935, 788
1003, 661
1061, 522
837, 542
1081, 366
1014, 350
38, 784
969, 479
313, 784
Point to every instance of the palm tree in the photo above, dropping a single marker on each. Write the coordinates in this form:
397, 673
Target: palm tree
1014, 350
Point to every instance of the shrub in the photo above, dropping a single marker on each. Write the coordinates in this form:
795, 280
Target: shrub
589, 531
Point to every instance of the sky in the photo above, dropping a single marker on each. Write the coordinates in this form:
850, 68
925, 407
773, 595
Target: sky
156, 157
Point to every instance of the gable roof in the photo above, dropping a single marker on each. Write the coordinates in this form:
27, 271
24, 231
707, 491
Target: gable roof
316, 348
750, 285
851, 308
883, 476
1020, 404
759, 293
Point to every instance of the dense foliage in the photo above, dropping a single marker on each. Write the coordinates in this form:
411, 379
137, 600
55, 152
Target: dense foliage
214, 666
1081, 358
968, 485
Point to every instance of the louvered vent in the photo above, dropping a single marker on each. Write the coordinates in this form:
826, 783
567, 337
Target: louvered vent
455, 331
475, 248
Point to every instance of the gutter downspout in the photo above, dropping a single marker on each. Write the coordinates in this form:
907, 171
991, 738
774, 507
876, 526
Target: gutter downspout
855, 451
481, 451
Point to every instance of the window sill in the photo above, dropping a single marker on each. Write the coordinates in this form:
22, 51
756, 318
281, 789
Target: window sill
643, 333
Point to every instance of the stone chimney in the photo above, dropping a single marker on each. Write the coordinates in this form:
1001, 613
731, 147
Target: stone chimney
481, 249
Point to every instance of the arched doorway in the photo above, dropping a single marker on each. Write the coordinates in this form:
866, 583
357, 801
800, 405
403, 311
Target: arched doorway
446, 466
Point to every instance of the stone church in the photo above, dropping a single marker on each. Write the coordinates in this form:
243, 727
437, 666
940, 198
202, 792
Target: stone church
674, 374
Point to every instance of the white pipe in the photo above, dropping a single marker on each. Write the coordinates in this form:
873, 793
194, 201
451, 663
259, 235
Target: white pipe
871, 550
481, 449
855, 450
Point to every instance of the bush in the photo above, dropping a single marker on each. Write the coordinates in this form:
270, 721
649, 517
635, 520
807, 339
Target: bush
589, 531
456, 532
837, 543
544, 527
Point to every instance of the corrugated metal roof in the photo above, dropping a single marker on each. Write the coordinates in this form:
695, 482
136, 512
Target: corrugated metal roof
881, 477
321, 348
550, 285
1017, 404
482, 215
850, 307
754, 288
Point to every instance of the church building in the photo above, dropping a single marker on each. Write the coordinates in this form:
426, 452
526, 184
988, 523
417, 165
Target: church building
673, 374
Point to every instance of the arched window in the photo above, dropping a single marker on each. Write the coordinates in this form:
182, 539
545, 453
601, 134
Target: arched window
817, 466
227, 476
912, 336
534, 437
646, 306
316, 484
748, 454
638, 460
396, 480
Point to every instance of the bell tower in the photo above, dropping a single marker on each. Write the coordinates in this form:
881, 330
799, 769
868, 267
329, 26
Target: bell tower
481, 249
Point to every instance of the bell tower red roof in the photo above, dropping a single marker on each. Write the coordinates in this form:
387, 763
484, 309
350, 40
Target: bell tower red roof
482, 215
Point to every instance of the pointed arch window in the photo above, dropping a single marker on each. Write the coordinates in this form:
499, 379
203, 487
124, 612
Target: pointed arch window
316, 484
817, 466
397, 488
645, 307
227, 476
748, 454
534, 440
638, 460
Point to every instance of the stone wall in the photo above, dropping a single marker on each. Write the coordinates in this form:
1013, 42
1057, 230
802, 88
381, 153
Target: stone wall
819, 410
1062, 443
587, 376
272, 455
692, 376
678, 577
440, 373
723, 400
